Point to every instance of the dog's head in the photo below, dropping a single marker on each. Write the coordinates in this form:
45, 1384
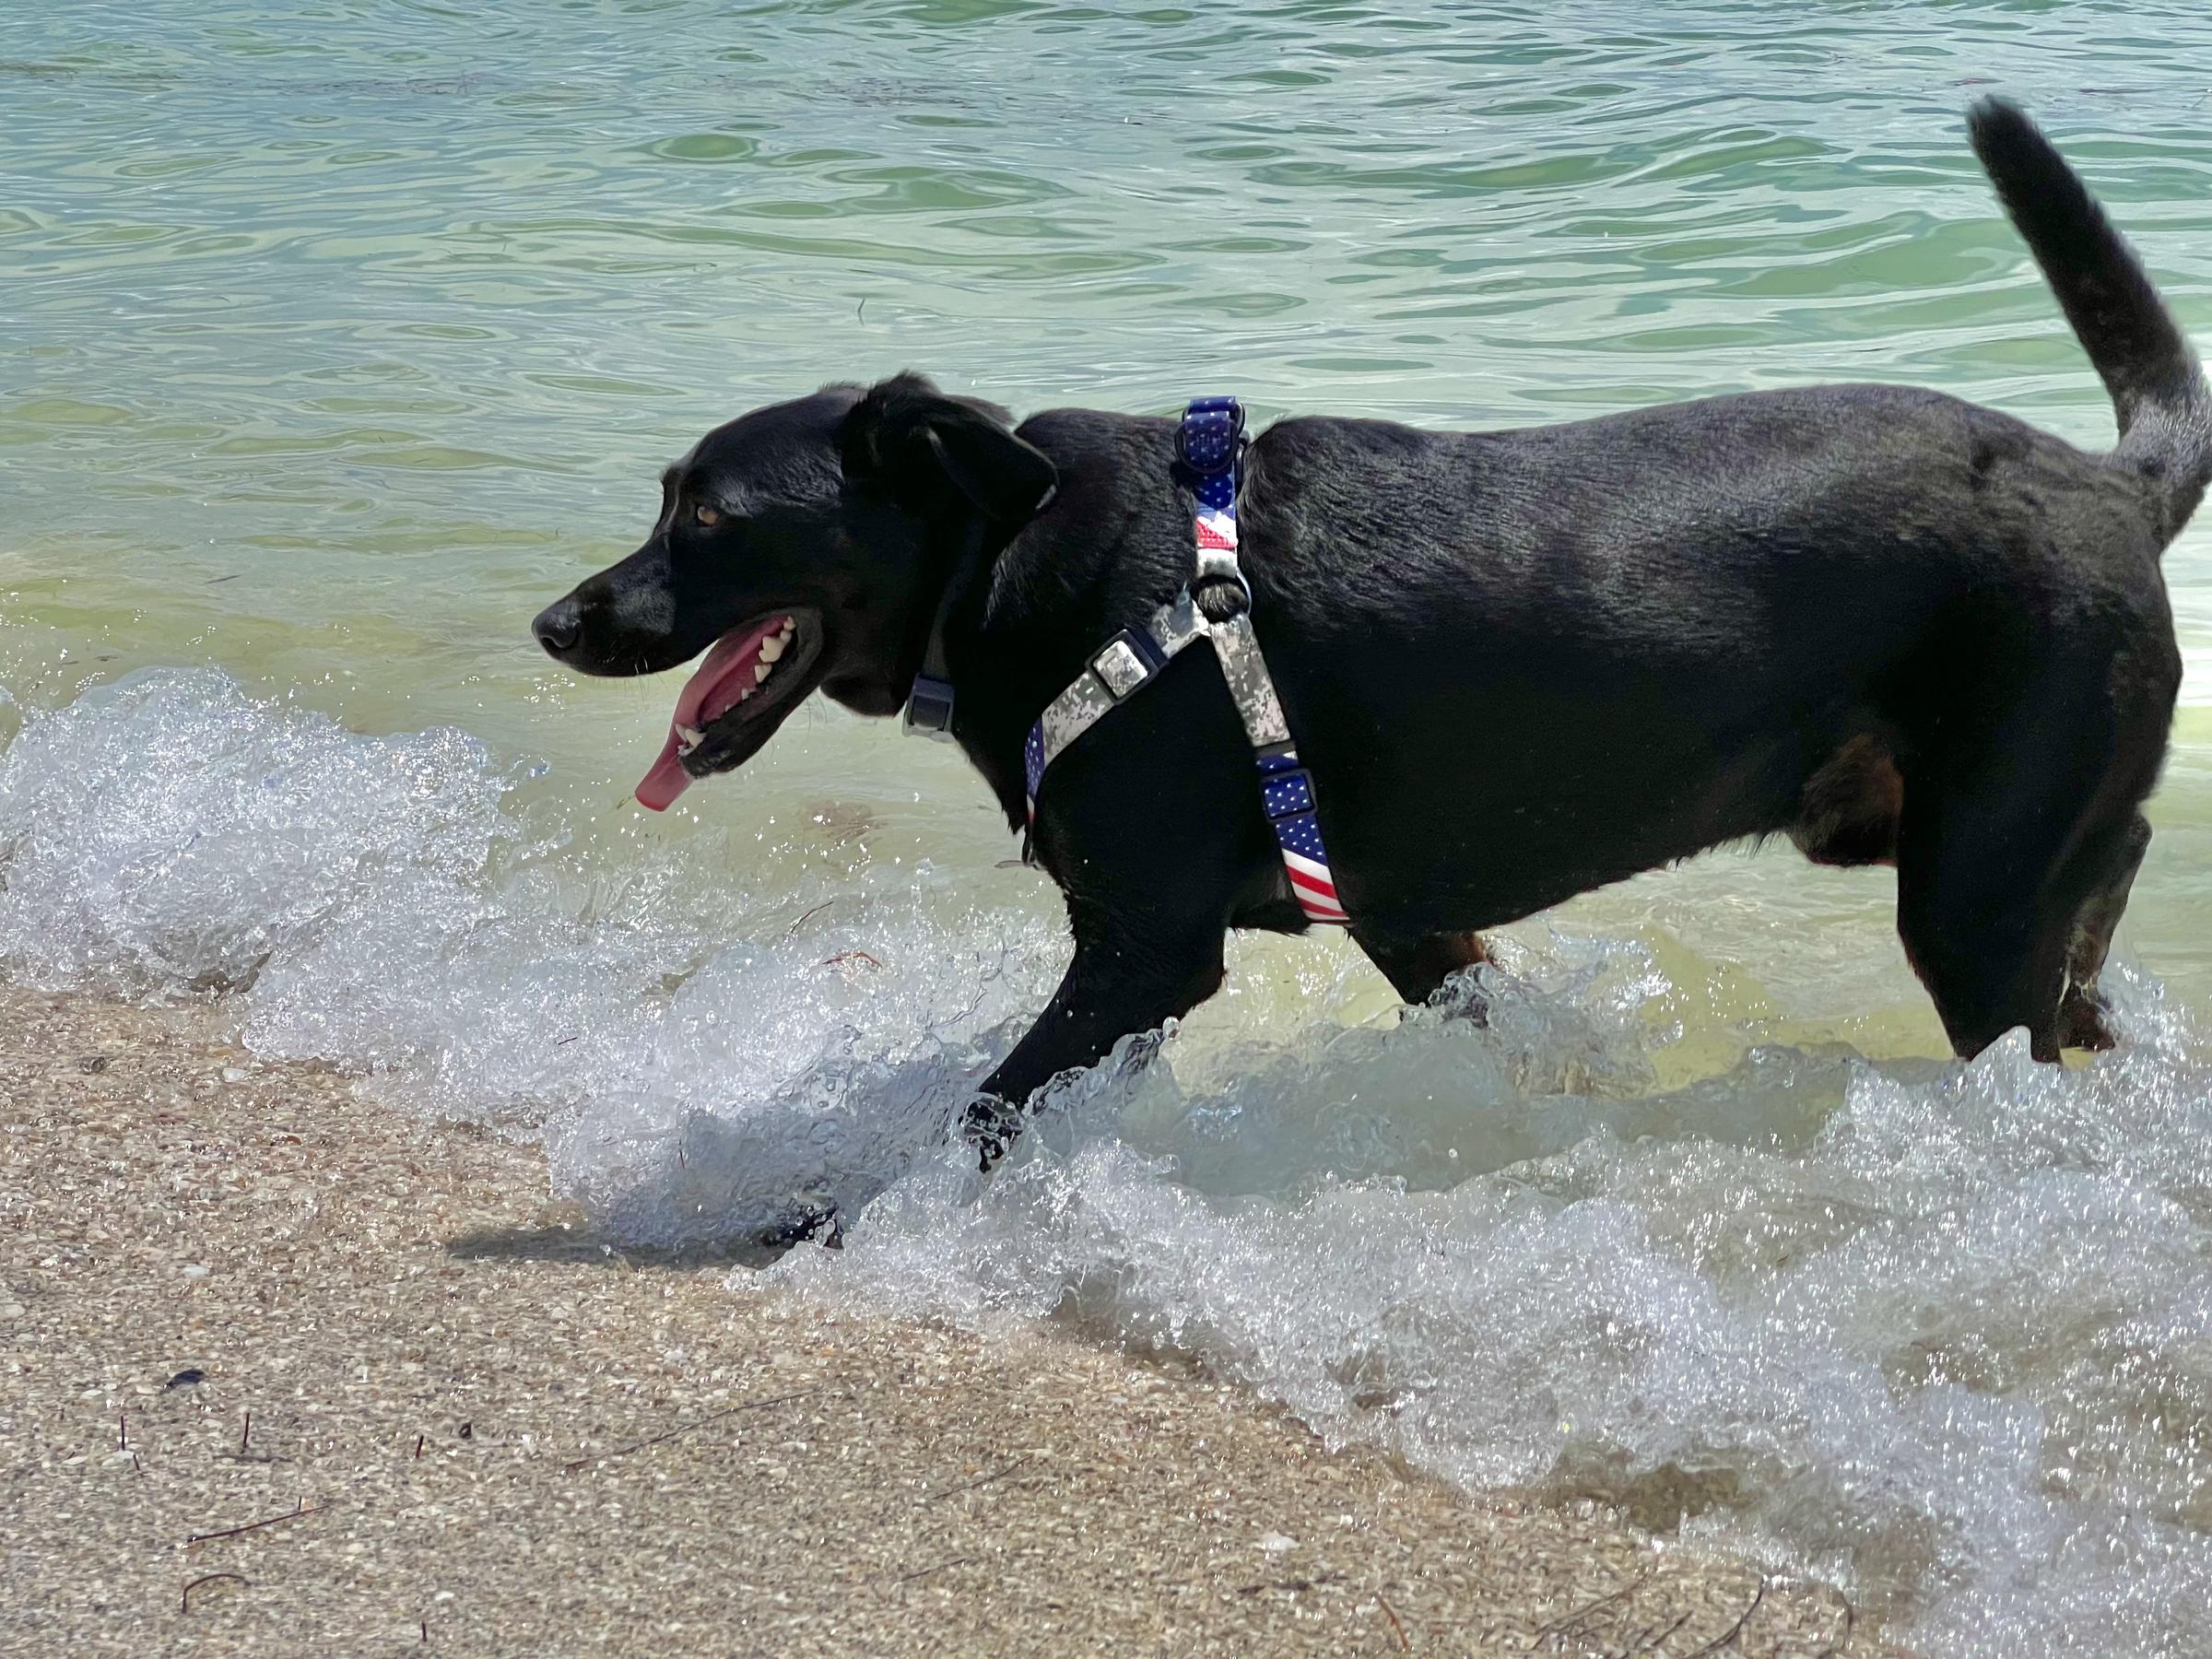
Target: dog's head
808, 544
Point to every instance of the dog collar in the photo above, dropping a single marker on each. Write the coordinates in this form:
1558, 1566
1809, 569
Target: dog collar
928, 712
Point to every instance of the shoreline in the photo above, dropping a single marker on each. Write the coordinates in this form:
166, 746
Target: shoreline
359, 1383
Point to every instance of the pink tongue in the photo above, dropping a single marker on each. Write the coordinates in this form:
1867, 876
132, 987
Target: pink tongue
711, 692
664, 782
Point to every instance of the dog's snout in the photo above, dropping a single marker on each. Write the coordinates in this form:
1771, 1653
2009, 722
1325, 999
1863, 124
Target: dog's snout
559, 626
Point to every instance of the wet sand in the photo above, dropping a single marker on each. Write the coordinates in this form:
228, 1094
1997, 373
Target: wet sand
282, 1371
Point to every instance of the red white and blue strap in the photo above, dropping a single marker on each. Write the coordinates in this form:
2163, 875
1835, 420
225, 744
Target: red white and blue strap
1286, 788
1210, 449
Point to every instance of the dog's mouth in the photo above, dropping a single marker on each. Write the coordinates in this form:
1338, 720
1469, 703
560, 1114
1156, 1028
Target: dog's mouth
750, 678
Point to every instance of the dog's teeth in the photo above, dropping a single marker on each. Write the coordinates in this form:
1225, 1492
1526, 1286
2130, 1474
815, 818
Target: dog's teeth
771, 649
744, 694
761, 671
788, 625
688, 737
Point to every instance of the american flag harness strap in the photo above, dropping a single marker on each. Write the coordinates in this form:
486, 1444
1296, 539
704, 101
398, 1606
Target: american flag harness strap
1209, 448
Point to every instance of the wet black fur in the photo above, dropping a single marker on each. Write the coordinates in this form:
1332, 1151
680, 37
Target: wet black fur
1521, 665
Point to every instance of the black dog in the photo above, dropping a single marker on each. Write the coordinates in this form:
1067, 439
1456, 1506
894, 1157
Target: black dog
1893, 626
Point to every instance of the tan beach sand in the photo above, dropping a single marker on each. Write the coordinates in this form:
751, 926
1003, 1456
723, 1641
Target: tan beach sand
475, 1432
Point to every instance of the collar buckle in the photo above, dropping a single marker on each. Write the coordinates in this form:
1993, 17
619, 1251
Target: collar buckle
929, 708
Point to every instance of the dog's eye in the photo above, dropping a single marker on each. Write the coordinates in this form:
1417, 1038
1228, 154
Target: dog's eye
706, 517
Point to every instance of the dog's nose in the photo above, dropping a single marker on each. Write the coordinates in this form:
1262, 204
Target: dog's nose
559, 627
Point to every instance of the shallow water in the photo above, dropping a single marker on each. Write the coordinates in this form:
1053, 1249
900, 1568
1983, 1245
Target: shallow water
342, 339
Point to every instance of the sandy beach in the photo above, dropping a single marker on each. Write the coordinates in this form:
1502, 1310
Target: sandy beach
285, 1371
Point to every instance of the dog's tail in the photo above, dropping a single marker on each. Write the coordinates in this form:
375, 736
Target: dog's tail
2155, 380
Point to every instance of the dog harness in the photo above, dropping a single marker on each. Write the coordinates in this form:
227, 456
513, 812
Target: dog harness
1209, 450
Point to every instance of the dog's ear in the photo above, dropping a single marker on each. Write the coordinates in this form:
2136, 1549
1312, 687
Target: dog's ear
922, 448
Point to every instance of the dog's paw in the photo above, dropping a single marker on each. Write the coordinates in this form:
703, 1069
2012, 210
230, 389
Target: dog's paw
991, 1127
2083, 1022
824, 1227
1463, 997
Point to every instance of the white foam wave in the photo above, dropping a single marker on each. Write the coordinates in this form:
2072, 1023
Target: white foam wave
1941, 1331
1942, 1334
384, 904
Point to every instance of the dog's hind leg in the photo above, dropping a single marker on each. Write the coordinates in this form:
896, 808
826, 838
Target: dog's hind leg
1417, 967
1976, 928
2013, 846
2082, 1021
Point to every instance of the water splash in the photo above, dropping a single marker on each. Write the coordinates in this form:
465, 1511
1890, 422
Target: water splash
1936, 1332
381, 903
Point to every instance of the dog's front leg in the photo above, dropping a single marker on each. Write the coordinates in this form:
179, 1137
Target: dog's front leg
1121, 982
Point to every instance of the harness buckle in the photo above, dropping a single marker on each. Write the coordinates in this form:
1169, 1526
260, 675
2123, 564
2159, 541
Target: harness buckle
929, 708
1130, 659
1211, 435
1285, 787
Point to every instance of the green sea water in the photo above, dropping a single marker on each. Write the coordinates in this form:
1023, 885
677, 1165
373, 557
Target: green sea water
337, 338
